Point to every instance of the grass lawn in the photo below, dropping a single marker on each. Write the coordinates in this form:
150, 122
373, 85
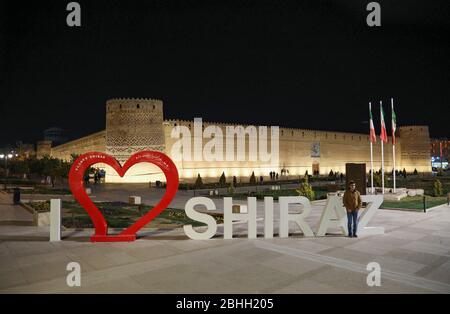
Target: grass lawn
47, 190
41, 189
414, 203
121, 215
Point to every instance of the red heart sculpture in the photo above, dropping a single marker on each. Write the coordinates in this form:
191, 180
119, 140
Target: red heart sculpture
82, 163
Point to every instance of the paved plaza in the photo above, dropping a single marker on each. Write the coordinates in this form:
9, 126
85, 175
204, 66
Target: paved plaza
414, 255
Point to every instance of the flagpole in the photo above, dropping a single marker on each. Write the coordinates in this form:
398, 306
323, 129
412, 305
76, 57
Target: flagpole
371, 167
393, 144
382, 166
371, 153
382, 156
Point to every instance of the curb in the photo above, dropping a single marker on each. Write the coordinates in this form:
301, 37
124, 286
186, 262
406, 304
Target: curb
31, 210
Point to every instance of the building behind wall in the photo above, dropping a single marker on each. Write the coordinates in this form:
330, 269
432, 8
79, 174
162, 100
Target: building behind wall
138, 124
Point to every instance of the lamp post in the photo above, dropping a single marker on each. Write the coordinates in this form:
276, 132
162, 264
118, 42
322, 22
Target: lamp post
6, 157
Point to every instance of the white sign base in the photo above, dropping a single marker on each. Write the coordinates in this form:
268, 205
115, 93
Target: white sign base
55, 220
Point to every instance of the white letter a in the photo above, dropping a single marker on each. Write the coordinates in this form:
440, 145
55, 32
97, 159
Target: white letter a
74, 17
73, 279
374, 17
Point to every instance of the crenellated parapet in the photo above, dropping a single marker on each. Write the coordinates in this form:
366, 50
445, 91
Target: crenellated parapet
136, 124
134, 104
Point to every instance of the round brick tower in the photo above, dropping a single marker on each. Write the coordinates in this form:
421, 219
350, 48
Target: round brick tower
133, 125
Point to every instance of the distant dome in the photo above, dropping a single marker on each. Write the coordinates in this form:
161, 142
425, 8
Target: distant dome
55, 134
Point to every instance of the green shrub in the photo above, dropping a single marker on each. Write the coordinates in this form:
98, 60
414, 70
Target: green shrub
306, 190
222, 180
41, 206
437, 188
231, 189
377, 179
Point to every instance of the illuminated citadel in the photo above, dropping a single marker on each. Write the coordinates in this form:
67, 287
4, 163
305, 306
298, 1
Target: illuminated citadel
134, 124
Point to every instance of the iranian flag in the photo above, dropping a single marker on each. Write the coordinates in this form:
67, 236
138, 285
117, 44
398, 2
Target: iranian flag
394, 122
373, 136
383, 134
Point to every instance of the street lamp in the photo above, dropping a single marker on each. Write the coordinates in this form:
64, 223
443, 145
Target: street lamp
6, 157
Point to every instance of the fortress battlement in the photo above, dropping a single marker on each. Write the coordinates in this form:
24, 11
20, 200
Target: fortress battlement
136, 124
133, 104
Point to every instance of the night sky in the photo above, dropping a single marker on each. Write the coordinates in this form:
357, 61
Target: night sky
307, 64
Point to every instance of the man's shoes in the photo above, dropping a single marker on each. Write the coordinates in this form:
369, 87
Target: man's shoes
350, 236
355, 236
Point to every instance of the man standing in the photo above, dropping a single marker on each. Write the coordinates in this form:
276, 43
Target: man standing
352, 202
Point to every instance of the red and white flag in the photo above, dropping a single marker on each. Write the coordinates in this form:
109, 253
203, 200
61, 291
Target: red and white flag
373, 136
383, 134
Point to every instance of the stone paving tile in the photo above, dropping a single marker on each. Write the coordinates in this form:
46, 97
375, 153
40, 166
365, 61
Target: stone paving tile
405, 235
427, 226
18, 246
441, 273
121, 258
333, 241
141, 243
255, 279
38, 259
394, 287
96, 261
444, 241
308, 287
155, 252
441, 233
253, 254
385, 239
4, 248
306, 244
416, 256
419, 230
343, 281
122, 286
372, 247
350, 255
11, 278
288, 265
226, 262
44, 272
426, 247
8, 262
180, 278
189, 245
398, 265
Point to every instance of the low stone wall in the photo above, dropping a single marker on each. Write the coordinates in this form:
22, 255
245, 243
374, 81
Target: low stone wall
40, 219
